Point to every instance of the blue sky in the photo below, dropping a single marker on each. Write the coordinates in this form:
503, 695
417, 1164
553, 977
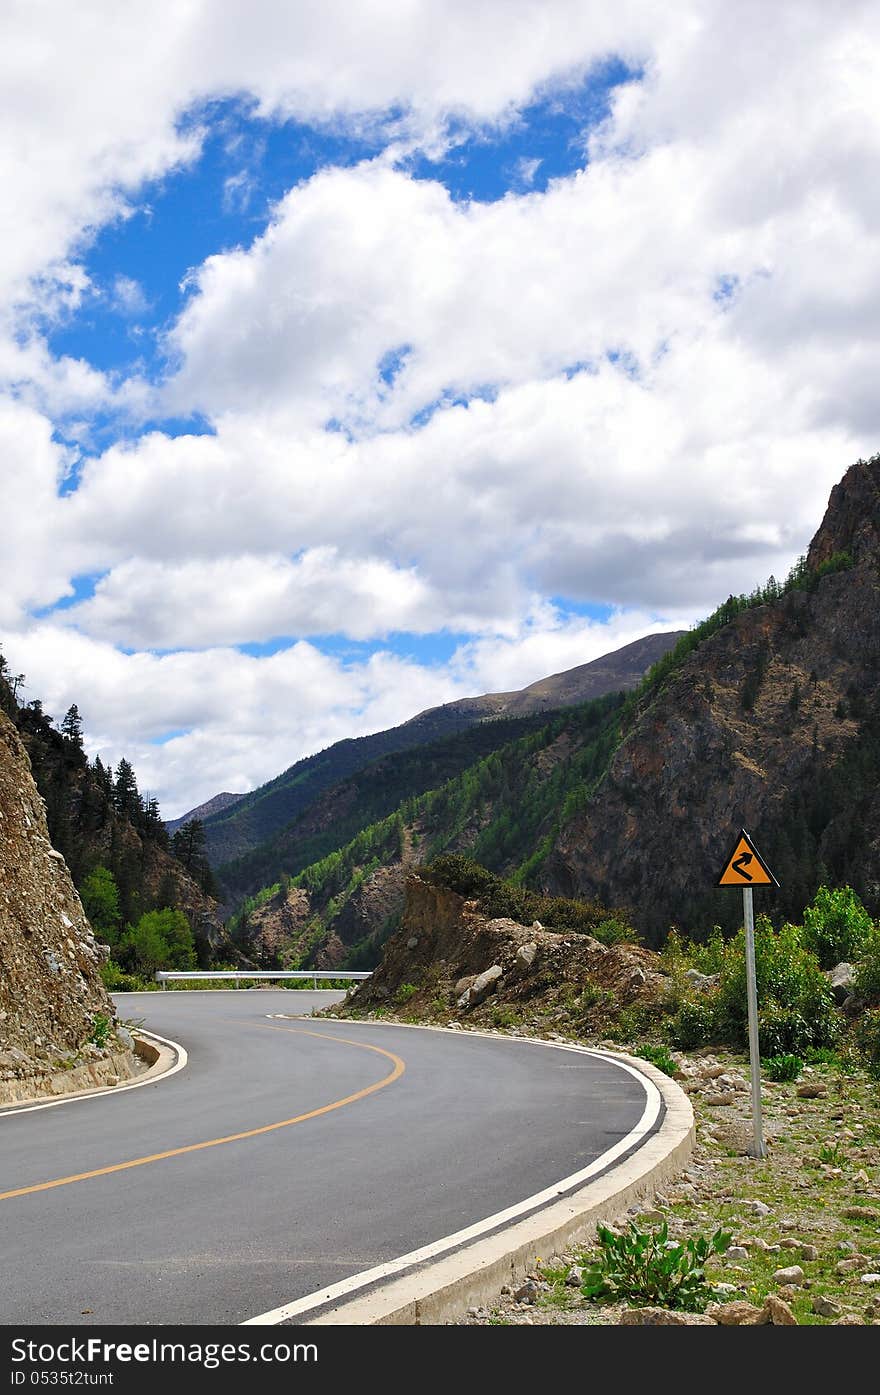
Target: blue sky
139, 265
352, 361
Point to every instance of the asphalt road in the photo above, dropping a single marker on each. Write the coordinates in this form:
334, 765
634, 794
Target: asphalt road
409, 1137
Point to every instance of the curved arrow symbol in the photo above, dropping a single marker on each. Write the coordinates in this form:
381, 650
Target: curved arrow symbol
741, 863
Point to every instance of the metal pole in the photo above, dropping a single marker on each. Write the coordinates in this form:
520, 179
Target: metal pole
757, 1149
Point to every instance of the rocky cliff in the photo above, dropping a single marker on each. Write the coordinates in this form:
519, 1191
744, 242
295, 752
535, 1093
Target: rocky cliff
448, 958
54, 1010
771, 724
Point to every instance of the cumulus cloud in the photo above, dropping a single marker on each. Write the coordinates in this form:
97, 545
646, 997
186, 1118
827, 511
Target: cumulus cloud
636, 387
218, 718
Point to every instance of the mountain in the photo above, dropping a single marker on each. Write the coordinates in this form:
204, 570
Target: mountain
772, 723
500, 809
339, 813
766, 715
217, 805
615, 672
260, 816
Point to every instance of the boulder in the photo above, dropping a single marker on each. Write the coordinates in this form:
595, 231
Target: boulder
482, 986
736, 1314
842, 980
663, 1317
525, 956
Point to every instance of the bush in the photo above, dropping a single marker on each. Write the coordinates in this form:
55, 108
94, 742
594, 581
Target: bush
836, 926
695, 1023
405, 992
868, 970
100, 1029
160, 940
867, 1039
646, 1268
116, 980
658, 1056
614, 931
783, 1067
498, 897
795, 1004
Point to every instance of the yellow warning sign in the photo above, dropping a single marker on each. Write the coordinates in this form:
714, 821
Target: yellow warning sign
746, 866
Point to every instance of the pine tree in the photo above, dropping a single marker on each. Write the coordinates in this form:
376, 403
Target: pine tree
71, 727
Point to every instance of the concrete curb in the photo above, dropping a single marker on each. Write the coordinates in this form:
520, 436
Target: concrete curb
473, 1276
163, 1058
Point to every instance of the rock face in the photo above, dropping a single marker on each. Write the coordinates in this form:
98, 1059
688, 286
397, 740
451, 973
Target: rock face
476, 965
50, 989
743, 734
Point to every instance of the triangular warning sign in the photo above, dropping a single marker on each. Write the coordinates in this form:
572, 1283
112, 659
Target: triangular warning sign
746, 866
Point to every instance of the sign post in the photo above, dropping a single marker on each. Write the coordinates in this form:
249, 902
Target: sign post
746, 868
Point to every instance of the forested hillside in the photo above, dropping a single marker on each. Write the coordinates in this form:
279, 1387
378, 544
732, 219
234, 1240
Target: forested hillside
367, 797
259, 818
120, 856
765, 715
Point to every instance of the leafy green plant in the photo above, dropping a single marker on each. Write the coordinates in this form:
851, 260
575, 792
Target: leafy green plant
614, 931
821, 1056
795, 1003
116, 980
645, 1267
867, 1039
100, 1029
781, 1068
695, 1023
832, 1153
658, 1056
405, 992
836, 926
868, 969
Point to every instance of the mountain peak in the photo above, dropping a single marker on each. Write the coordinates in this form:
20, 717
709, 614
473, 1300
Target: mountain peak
852, 519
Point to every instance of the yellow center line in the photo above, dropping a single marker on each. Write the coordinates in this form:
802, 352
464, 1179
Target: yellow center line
397, 1071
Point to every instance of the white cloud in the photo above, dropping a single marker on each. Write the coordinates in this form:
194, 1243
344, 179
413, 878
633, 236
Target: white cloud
691, 454
250, 599
128, 296
222, 719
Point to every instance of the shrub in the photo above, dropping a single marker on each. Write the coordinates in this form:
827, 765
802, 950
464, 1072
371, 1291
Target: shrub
695, 1023
836, 926
100, 1029
646, 1268
116, 980
405, 992
498, 897
709, 956
795, 1003
658, 1056
781, 1068
868, 969
614, 931
867, 1039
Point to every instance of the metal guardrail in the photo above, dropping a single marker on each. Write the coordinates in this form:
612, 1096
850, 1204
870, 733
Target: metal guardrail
162, 975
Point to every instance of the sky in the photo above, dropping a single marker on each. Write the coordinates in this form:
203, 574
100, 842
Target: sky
358, 358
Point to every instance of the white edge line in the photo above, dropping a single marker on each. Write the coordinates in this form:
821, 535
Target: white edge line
471, 1232
110, 1089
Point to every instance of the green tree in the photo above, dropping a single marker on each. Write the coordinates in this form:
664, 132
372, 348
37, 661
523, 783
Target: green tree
160, 940
72, 727
125, 791
836, 926
100, 897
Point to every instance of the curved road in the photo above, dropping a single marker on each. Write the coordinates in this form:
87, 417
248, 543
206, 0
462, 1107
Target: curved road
287, 1156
